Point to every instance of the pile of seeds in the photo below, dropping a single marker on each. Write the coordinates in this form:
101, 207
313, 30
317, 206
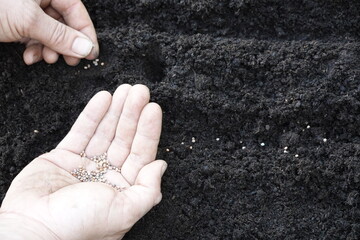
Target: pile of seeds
102, 167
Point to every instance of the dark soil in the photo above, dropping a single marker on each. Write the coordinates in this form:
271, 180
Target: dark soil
232, 74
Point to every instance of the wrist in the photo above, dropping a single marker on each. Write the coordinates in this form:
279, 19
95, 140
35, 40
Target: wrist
14, 226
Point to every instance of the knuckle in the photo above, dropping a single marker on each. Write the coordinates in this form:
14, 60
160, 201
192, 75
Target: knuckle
58, 34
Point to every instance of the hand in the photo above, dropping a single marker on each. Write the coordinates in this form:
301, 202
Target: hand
47, 198
49, 28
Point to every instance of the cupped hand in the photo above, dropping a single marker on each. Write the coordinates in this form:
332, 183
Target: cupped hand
126, 127
49, 28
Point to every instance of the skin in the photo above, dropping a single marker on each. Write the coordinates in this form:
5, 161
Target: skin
47, 28
46, 202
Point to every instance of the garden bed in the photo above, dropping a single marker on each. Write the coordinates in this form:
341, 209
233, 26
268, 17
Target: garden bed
261, 104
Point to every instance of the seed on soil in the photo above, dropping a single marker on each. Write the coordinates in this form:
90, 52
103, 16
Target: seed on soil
243, 148
193, 139
296, 155
217, 139
308, 126
102, 64
262, 144
191, 147
36, 131
324, 140
168, 150
182, 143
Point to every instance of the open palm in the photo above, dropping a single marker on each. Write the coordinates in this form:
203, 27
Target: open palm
126, 127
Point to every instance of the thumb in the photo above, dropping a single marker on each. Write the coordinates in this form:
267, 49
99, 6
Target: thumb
59, 37
146, 192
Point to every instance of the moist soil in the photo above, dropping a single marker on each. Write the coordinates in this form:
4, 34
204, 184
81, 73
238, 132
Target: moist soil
261, 103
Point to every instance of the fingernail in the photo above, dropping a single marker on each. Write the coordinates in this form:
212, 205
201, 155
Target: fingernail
95, 53
35, 58
82, 46
163, 169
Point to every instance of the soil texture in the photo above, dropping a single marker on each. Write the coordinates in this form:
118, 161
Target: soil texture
261, 102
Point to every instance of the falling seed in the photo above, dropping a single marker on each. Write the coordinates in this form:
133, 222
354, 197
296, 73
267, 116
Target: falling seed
262, 144
296, 155
217, 139
324, 140
96, 60
285, 151
36, 131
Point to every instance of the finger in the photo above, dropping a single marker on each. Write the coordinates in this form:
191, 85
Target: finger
53, 13
86, 124
49, 55
59, 37
105, 132
33, 52
119, 149
145, 143
145, 194
71, 61
77, 17
43, 3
